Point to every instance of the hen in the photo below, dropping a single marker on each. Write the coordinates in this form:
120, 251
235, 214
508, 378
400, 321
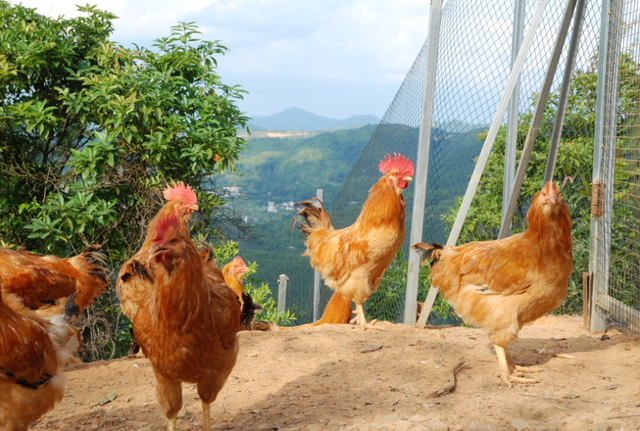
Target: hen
187, 325
40, 281
33, 352
136, 279
353, 260
233, 273
504, 284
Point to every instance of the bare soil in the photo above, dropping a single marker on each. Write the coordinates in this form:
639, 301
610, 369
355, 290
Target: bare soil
338, 377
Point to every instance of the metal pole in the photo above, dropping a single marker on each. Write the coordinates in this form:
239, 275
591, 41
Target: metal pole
537, 118
564, 92
486, 149
604, 155
495, 126
316, 275
282, 293
422, 164
514, 109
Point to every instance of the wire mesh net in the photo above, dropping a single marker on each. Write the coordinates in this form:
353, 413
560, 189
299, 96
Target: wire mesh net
474, 62
617, 272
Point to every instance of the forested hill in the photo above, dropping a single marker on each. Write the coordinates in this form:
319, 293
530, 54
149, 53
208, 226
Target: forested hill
291, 169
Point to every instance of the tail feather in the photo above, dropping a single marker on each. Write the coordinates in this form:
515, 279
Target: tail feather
93, 277
248, 310
311, 215
427, 252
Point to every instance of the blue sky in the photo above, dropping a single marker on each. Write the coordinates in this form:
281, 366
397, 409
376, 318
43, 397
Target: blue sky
335, 58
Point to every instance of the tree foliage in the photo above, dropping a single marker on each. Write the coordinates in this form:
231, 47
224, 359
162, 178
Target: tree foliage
90, 131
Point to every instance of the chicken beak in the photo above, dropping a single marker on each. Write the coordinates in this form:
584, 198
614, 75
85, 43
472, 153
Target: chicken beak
194, 207
156, 250
408, 178
552, 192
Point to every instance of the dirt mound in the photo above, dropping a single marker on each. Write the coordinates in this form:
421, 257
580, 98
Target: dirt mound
337, 377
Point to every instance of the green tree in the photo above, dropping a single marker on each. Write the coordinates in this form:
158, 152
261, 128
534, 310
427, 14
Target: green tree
91, 130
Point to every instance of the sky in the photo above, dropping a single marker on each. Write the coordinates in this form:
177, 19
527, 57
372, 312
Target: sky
335, 58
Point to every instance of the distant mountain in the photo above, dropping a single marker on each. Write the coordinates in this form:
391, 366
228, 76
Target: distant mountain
299, 119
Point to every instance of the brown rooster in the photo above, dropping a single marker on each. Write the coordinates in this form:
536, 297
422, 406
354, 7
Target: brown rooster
136, 279
353, 260
33, 352
504, 284
187, 326
40, 281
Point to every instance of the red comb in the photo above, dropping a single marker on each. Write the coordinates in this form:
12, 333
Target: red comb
182, 191
399, 162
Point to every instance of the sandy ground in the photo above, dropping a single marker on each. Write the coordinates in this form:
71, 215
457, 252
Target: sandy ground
337, 377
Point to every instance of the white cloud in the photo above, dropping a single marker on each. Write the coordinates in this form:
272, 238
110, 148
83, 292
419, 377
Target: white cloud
319, 42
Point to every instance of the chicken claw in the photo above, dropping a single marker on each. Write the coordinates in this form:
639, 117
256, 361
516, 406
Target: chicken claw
362, 321
508, 371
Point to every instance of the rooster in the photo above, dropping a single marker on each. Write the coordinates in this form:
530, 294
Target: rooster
233, 273
33, 352
40, 281
353, 260
187, 325
135, 279
504, 284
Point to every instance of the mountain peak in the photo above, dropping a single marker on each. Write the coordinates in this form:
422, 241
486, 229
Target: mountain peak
295, 118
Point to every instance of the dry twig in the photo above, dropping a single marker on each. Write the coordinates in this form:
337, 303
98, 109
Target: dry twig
542, 398
623, 416
452, 382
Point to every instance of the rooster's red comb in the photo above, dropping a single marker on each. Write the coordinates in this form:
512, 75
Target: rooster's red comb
238, 260
399, 162
182, 191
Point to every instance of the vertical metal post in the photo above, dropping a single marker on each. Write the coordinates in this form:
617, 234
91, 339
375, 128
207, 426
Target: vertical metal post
282, 293
514, 109
537, 118
564, 92
604, 155
422, 164
486, 149
316, 275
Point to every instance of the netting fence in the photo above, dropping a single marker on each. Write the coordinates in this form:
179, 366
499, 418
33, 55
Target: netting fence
475, 57
615, 268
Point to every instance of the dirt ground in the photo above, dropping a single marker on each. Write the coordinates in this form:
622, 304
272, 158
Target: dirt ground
337, 377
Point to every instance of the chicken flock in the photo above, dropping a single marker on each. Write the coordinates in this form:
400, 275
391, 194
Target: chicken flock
187, 312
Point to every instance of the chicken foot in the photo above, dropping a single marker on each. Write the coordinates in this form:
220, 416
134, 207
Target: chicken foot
362, 321
508, 370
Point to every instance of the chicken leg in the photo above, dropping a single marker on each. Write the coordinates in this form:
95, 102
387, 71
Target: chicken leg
206, 409
508, 370
362, 321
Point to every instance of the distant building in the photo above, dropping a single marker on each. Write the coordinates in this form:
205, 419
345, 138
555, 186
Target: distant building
271, 208
287, 206
233, 191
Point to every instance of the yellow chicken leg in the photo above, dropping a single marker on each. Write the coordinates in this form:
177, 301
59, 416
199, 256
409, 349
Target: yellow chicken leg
171, 424
508, 372
206, 408
362, 321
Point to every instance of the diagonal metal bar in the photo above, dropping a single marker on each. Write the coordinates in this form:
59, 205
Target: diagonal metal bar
495, 125
486, 150
537, 118
564, 92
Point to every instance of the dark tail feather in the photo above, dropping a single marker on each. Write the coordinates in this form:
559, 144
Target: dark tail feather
249, 310
310, 216
71, 309
426, 251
